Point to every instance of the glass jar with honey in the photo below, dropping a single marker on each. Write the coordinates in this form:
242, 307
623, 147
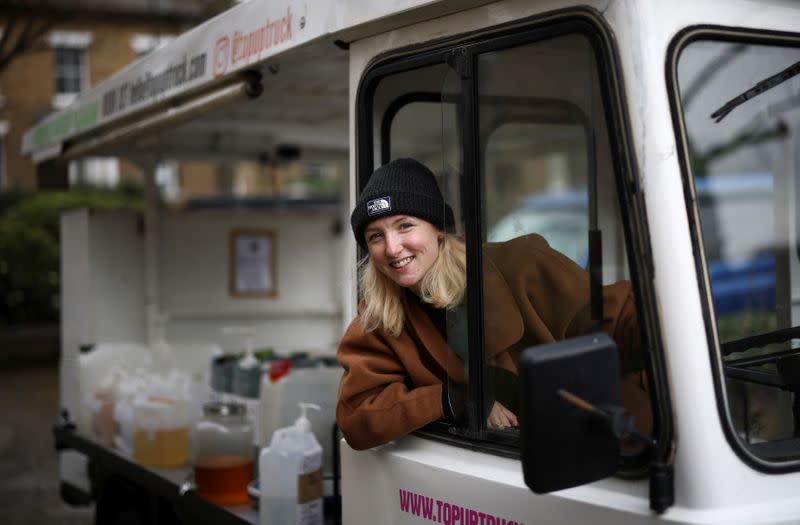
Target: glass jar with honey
223, 453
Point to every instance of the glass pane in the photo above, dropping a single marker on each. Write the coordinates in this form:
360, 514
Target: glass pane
743, 156
406, 116
72, 85
69, 69
408, 138
547, 179
551, 199
415, 116
70, 57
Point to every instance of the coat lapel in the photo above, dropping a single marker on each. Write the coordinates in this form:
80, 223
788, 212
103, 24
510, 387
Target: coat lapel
433, 342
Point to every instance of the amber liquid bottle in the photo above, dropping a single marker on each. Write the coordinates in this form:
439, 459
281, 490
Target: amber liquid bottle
223, 479
223, 454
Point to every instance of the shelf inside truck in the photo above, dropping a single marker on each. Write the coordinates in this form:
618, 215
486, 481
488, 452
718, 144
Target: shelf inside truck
163, 484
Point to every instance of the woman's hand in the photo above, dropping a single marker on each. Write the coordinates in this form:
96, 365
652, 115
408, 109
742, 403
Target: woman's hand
500, 417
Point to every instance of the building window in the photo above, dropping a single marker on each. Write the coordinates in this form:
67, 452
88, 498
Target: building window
70, 67
70, 62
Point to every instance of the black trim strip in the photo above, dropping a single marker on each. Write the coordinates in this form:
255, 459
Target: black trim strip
473, 212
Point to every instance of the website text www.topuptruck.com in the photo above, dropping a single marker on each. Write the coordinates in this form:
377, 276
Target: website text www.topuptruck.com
439, 511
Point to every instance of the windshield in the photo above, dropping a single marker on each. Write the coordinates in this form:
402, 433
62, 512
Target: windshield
741, 113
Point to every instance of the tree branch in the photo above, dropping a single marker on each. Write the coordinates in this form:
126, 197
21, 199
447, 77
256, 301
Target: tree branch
27, 36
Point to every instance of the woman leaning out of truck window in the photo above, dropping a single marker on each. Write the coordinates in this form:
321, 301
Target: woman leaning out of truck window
400, 373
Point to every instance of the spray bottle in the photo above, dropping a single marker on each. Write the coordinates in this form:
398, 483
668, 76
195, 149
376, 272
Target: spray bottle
290, 475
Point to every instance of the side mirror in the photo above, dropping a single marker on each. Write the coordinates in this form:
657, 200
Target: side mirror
563, 445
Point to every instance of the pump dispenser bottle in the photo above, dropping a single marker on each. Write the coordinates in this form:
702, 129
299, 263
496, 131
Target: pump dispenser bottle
290, 475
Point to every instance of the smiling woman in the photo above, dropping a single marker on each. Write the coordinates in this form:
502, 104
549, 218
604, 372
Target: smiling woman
405, 355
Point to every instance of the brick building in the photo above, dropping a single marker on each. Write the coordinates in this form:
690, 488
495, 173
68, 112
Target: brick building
69, 46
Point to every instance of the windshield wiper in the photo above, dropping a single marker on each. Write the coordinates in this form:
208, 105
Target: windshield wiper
761, 87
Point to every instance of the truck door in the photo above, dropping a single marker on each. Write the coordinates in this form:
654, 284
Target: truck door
519, 129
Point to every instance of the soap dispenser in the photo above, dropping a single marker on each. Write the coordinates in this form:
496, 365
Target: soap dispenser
290, 475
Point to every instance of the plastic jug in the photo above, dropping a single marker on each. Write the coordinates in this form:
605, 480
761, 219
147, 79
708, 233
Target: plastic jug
161, 431
97, 365
287, 384
290, 475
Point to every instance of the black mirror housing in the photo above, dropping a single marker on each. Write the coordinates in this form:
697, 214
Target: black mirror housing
562, 445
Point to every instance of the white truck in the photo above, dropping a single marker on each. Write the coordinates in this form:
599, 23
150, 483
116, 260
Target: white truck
653, 141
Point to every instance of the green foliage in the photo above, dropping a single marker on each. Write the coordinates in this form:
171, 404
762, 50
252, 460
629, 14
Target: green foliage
29, 280
10, 198
29, 247
43, 210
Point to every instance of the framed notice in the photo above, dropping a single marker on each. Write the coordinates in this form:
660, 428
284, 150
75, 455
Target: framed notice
252, 263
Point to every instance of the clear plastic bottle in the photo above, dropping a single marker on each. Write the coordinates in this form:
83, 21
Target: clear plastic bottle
290, 475
223, 454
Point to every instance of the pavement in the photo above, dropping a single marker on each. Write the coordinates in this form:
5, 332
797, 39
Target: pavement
29, 481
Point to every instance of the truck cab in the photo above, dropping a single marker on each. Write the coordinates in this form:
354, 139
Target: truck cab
653, 143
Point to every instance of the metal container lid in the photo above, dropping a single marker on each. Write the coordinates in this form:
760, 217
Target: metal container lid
218, 408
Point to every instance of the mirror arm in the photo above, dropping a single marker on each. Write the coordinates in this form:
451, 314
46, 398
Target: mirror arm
617, 417
662, 492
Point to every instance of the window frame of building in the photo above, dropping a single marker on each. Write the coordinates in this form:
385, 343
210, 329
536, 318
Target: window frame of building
77, 42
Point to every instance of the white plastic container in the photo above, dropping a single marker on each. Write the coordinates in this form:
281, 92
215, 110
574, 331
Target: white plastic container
318, 384
97, 365
290, 475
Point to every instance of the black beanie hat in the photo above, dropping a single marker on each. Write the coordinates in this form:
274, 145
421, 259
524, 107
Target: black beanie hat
400, 187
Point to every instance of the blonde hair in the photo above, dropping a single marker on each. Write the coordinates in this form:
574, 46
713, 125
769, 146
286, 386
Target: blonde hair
443, 286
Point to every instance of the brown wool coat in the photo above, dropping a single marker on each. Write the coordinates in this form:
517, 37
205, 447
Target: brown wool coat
532, 295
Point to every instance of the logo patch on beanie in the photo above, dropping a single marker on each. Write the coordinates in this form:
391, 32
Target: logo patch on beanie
379, 205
